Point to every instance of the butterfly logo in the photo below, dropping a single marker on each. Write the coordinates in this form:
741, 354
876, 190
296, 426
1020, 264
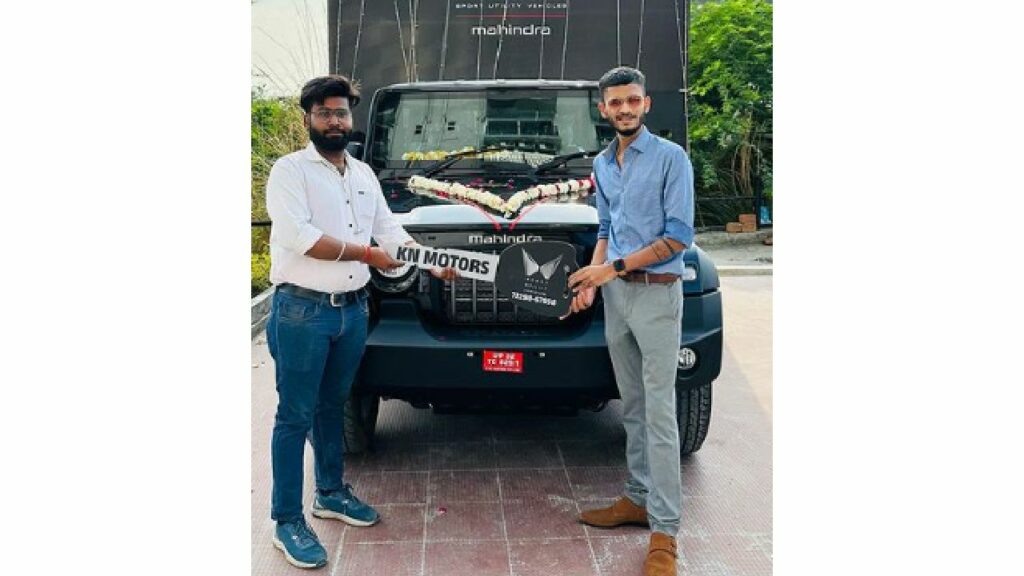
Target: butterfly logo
547, 270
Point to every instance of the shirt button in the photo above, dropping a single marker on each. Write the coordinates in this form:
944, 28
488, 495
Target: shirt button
349, 276
349, 225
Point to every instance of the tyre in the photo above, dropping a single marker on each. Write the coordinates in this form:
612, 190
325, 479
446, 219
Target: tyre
693, 413
360, 421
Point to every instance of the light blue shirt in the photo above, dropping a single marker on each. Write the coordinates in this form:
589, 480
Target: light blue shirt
649, 197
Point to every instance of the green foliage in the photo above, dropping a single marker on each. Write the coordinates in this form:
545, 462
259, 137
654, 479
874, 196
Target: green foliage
276, 130
260, 273
731, 97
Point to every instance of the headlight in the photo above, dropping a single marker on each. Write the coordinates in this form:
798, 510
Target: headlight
687, 358
394, 281
689, 272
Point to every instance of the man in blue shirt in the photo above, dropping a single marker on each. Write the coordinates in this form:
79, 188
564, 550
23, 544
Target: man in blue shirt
645, 209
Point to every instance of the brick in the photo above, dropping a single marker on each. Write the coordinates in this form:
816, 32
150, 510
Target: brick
733, 227
749, 227
747, 219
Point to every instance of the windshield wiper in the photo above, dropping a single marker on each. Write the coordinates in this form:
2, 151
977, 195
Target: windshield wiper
453, 158
562, 159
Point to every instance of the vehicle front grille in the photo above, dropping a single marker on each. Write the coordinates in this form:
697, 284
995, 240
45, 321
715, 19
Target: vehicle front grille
468, 301
471, 302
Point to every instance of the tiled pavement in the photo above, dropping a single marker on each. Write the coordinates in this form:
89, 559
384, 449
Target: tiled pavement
499, 495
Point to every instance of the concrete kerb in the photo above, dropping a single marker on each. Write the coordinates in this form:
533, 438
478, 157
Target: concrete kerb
725, 239
751, 270
261, 310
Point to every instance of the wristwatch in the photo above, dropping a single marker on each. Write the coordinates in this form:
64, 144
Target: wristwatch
620, 266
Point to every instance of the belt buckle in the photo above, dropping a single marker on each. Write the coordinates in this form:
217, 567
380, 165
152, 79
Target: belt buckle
336, 304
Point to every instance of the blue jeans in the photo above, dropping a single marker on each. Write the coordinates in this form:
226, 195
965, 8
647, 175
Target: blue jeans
316, 348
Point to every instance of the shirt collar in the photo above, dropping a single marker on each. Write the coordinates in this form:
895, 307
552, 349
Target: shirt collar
640, 144
311, 154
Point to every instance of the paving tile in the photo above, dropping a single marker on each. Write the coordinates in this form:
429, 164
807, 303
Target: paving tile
597, 483
622, 555
392, 457
762, 542
378, 559
720, 515
532, 483
702, 481
497, 475
540, 428
467, 558
724, 554
533, 519
463, 456
463, 486
461, 428
399, 523
378, 488
465, 521
587, 453
528, 455
567, 557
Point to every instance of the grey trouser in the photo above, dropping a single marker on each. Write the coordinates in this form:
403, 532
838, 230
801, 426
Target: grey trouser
642, 326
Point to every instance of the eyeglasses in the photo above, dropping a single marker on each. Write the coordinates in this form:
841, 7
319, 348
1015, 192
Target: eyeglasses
616, 103
326, 113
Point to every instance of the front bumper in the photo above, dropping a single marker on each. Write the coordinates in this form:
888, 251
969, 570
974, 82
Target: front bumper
406, 360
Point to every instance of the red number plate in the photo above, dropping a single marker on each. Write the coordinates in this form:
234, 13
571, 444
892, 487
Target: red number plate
495, 361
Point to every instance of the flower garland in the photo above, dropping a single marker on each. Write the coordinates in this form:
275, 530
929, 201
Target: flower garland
455, 192
531, 158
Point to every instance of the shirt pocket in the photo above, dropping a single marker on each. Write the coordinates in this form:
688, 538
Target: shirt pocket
645, 206
364, 207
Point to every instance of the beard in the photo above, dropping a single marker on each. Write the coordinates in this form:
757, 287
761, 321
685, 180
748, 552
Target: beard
629, 131
332, 143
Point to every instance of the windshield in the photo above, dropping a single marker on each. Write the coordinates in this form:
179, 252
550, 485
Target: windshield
414, 129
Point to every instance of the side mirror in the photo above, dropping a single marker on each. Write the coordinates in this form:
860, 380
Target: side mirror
356, 145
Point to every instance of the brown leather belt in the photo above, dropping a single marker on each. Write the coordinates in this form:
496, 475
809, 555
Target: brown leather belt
649, 277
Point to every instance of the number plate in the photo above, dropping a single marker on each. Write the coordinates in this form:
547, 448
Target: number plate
495, 361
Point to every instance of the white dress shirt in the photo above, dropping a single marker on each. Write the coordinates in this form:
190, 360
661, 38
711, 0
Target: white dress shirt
308, 197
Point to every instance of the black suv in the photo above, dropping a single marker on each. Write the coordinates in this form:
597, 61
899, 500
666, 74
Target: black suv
463, 346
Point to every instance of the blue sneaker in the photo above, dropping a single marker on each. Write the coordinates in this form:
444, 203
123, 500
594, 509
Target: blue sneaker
300, 545
343, 505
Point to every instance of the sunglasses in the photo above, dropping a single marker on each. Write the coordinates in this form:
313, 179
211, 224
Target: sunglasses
616, 103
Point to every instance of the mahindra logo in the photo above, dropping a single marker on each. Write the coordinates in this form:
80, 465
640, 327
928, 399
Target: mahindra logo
546, 270
503, 238
502, 30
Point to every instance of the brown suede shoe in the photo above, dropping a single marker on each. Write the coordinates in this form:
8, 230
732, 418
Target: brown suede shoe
622, 512
661, 556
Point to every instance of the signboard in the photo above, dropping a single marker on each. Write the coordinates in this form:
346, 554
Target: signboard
534, 275
384, 43
475, 265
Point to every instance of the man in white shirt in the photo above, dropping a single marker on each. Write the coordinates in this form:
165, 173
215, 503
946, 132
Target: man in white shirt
325, 206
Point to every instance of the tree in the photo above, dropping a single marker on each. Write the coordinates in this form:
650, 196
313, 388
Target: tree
731, 97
